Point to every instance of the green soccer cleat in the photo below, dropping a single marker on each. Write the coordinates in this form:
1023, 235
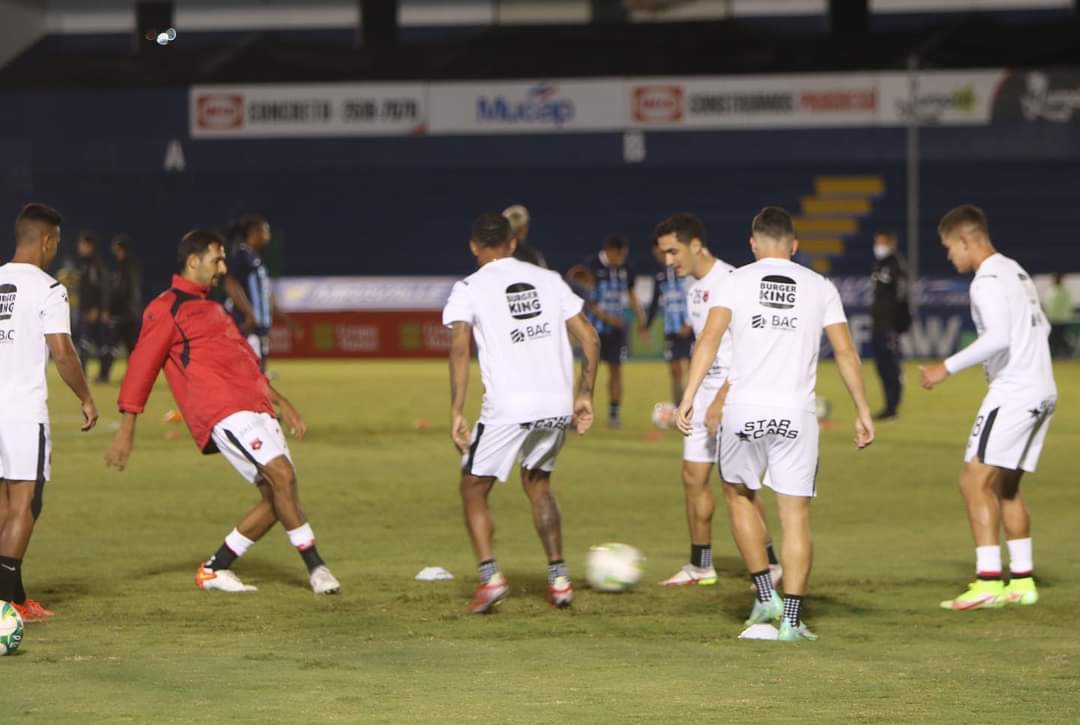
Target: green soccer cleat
1020, 591
981, 594
795, 632
765, 612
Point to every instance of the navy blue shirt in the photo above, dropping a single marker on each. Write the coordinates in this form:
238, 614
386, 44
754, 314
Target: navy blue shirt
611, 290
247, 268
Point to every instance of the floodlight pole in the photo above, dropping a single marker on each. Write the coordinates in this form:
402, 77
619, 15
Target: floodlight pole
913, 169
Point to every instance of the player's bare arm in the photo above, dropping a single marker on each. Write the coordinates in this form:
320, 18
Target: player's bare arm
715, 413
704, 354
240, 299
122, 443
66, 359
639, 313
850, 367
584, 333
933, 374
460, 356
290, 416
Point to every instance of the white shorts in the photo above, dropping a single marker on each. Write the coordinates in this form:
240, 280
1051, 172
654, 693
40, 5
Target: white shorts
250, 441
699, 446
494, 449
25, 451
1009, 432
784, 442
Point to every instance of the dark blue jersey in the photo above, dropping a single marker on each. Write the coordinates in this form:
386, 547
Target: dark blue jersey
247, 268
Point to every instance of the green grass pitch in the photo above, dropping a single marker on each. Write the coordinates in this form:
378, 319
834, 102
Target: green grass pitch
134, 641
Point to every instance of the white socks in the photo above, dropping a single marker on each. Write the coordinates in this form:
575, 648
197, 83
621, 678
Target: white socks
302, 537
1020, 557
988, 561
238, 543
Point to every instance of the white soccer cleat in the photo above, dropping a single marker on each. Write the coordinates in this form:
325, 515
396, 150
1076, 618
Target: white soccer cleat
690, 575
323, 582
222, 580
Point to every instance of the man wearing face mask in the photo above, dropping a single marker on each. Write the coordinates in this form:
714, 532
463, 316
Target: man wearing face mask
891, 315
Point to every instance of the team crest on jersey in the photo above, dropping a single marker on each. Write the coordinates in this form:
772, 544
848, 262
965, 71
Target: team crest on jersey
777, 292
523, 301
7, 301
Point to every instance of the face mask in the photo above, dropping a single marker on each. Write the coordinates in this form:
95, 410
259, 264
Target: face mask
881, 251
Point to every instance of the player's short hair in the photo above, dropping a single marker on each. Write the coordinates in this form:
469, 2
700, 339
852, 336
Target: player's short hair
31, 213
196, 242
775, 223
684, 226
887, 233
517, 215
491, 230
616, 241
962, 216
89, 236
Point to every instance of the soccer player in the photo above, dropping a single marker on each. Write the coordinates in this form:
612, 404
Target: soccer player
890, 312
1012, 422
776, 310
613, 291
681, 240
228, 405
521, 317
35, 322
669, 295
247, 285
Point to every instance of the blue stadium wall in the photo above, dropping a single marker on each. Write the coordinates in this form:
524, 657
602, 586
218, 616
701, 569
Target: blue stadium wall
403, 205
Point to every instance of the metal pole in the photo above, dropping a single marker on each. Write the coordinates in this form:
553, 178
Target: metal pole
913, 207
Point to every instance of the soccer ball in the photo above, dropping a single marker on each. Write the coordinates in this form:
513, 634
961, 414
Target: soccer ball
822, 408
613, 567
663, 415
11, 628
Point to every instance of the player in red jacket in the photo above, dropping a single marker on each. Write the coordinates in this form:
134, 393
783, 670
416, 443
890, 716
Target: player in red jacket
228, 406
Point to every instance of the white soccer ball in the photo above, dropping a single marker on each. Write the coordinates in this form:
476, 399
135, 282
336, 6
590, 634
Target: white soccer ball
613, 567
11, 628
663, 415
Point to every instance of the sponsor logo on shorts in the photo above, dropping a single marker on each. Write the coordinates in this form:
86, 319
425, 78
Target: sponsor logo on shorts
777, 292
7, 301
753, 430
256, 444
523, 301
559, 423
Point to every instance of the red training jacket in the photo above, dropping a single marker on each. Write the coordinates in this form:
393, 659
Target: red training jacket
211, 369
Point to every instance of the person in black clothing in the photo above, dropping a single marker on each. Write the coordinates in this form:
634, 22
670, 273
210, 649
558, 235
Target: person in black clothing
92, 296
891, 315
518, 216
124, 311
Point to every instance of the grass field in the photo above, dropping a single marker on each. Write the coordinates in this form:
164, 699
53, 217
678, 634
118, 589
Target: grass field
134, 641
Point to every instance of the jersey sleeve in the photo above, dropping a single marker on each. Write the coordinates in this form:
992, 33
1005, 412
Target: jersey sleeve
146, 360
723, 296
459, 307
56, 312
569, 303
834, 308
989, 301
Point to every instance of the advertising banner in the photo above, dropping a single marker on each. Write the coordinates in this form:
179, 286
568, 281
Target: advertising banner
362, 334
944, 98
1034, 96
527, 107
752, 102
334, 109
336, 294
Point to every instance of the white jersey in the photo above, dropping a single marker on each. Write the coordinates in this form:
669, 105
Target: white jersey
32, 305
518, 313
778, 311
700, 298
1013, 330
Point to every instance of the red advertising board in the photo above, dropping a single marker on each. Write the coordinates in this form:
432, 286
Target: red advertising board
362, 334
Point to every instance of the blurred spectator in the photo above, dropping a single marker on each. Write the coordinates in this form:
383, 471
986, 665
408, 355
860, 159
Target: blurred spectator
121, 322
518, 216
1059, 311
250, 297
93, 297
890, 312
612, 295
